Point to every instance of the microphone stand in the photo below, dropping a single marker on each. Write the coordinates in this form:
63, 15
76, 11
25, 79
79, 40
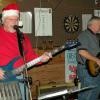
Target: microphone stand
20, 38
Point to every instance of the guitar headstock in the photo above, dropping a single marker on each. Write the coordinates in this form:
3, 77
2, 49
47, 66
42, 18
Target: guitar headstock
72, 44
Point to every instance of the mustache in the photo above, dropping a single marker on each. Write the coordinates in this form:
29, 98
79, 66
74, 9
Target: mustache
17, 27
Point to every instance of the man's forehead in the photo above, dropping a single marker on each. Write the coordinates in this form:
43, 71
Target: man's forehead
12, 17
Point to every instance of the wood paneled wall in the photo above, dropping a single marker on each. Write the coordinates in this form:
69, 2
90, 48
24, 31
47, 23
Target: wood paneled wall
3, 3
61, 8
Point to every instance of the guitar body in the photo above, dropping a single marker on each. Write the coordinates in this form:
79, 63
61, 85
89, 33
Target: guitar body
92, 67
8, 75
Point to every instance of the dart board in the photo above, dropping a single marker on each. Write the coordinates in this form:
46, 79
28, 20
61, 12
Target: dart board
71, 24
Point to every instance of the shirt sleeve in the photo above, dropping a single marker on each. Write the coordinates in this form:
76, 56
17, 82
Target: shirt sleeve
83, 39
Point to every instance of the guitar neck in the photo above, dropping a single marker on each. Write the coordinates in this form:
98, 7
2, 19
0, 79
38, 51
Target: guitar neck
35, 61
56, 51
28, 65
68, 45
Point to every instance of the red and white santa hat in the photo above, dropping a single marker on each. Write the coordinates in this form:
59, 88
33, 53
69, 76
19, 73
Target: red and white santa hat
10, 10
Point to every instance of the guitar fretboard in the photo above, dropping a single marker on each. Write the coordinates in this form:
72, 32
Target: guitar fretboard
28, 65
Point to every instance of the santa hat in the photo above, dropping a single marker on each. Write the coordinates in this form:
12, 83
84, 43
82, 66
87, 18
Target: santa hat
10, 10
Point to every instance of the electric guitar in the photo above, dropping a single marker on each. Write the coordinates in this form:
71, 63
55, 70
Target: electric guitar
10, 73
92, 67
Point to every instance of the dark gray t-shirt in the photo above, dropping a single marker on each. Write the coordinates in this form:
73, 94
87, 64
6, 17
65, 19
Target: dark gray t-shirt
90, 42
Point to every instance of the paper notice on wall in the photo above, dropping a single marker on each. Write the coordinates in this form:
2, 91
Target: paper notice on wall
43, 21
85, 19
70, 65
26, 18
97, 13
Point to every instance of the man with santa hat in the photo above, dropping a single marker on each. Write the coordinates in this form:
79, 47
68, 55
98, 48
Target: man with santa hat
9, 46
